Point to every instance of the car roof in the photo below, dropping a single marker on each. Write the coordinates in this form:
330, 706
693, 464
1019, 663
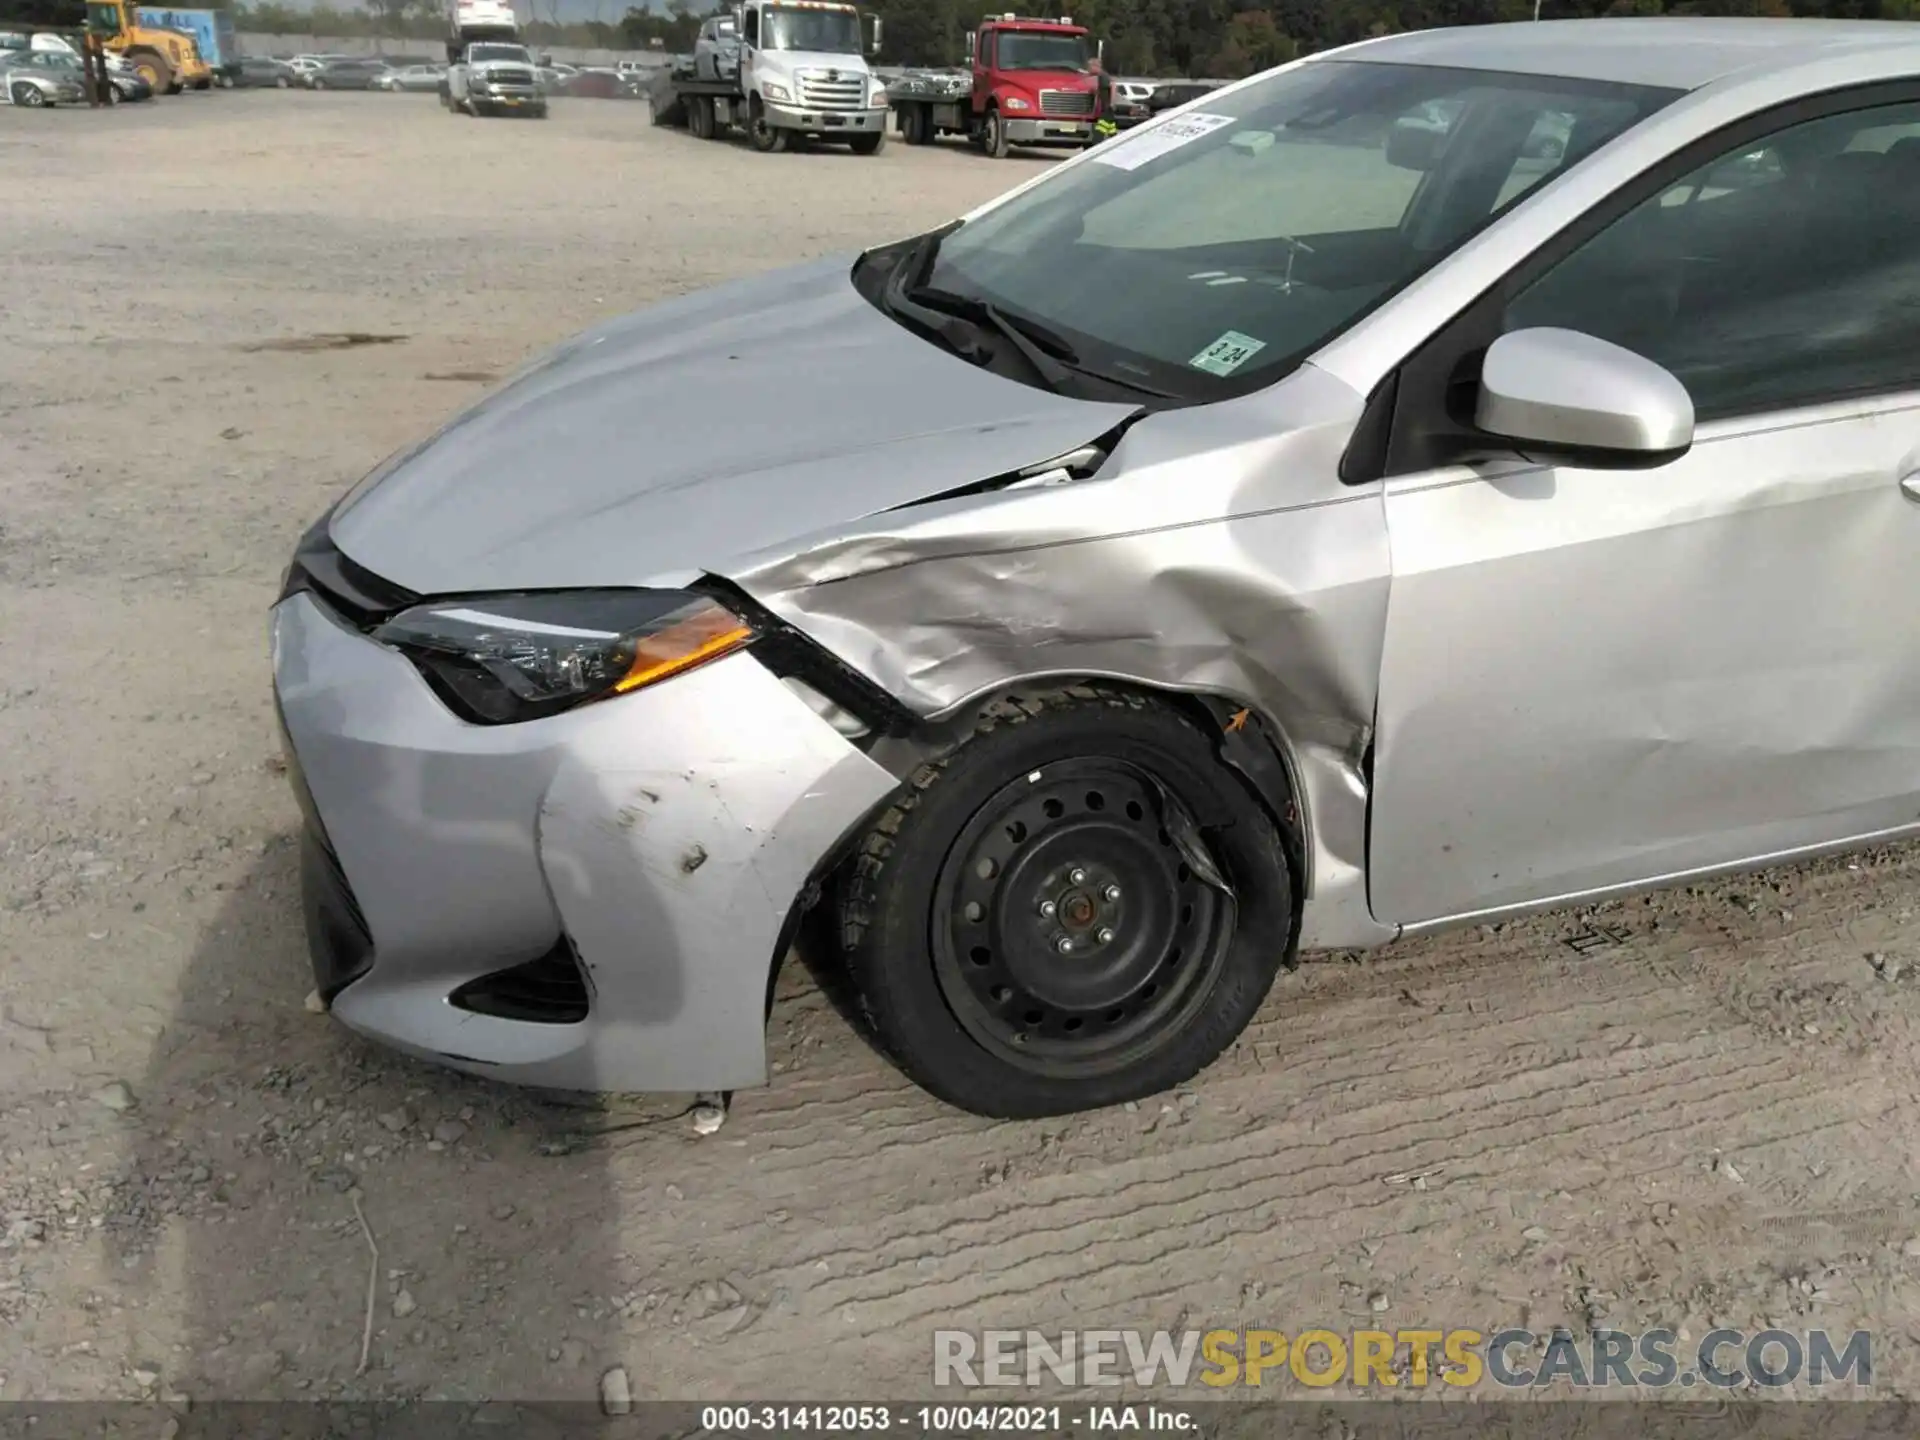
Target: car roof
1680, 52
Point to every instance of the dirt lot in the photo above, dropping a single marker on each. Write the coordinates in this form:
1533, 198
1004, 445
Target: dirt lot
1697, 1110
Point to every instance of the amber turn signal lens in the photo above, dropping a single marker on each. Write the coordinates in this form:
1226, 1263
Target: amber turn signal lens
705, 631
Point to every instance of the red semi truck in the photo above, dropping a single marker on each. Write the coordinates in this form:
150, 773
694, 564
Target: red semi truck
1028, 82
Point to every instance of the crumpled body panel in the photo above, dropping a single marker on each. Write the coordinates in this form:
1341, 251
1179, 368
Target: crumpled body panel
1215, 551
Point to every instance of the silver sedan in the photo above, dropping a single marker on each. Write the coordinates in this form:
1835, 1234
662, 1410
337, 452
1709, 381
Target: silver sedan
1458, 474
416, 79
36, 78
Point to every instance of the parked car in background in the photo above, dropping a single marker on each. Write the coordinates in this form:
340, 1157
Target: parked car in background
1169, 93
261, 71
31, 79
307, 64
414, 79
596, 84
355, 74
127, 84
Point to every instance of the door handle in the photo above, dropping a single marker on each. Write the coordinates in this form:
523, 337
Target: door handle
1910, 486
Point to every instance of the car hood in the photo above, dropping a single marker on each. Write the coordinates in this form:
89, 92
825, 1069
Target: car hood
754, 419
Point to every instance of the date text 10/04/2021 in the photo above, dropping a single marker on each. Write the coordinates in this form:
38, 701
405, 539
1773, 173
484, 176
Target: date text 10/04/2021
942, 1419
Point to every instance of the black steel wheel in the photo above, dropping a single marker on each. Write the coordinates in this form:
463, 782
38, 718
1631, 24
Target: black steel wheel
1079, 905
762, 134
1069, 930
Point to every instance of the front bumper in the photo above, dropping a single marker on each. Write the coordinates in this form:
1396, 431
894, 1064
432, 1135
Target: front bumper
1042, 131
658, 842
827, 122
508, 99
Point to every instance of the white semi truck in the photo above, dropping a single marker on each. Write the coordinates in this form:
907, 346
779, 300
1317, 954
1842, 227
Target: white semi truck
801, 72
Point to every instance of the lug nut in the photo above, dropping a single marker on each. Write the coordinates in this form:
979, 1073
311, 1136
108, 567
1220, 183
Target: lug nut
1106, 937
1047, 908
1078, 877
1112, 892
1063, 945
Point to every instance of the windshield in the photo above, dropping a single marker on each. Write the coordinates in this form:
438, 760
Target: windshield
1029, 50
1208, 254
519, 54
832, 32
103, 19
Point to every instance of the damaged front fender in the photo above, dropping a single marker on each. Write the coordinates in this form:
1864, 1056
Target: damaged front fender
1215, 551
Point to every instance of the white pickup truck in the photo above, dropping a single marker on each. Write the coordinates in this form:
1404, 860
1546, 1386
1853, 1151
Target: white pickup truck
495, 78
489, 72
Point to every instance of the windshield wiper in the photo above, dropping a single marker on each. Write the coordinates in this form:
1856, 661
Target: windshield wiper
1031, 341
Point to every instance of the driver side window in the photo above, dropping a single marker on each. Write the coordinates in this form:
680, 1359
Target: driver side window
750, 29
1784, 272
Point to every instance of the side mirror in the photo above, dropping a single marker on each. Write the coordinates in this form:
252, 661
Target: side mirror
1100, 52
873, 45
1582, 399
1412, 146
547, 60
970, 46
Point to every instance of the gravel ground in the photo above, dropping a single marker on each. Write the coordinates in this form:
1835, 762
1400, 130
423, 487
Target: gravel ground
1692, 1110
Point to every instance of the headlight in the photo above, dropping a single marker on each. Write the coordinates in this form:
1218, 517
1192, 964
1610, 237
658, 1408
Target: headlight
504, 658
771, 91
878, 98
1014, 102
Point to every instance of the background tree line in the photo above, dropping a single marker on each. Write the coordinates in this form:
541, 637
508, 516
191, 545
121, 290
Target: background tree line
1219, 39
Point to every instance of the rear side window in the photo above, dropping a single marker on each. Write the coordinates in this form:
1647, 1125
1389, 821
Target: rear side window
1785, 272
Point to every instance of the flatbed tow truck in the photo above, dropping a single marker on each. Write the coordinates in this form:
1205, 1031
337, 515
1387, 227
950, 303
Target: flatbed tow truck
801, 76
1028, 82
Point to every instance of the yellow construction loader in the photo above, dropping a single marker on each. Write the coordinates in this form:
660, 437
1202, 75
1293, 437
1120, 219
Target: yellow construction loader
168, 60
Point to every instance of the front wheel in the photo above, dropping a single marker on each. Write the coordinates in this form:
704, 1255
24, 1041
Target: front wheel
867, 144
30, 96
993, 136
155, 71
1079, 905
762, 133
319, 84
281, 82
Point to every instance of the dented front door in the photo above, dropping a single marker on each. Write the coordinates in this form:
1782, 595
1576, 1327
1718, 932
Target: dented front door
1595, 678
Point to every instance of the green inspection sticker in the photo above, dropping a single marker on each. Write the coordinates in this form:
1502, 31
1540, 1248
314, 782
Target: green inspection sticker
1228, 353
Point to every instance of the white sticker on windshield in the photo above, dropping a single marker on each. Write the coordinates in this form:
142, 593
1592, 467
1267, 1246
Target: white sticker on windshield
1228, 353
1150, 142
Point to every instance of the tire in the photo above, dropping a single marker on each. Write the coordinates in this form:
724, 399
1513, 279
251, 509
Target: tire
993, 135
867, 144
155, 70
916, 125
280, 82
764, 137
318, 83
700, 120
1071, 799
32, 97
